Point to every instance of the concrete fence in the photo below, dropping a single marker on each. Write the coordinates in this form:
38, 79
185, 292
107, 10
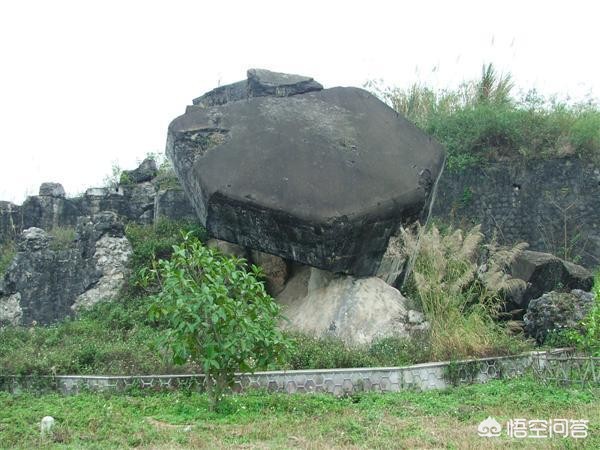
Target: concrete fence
436, 375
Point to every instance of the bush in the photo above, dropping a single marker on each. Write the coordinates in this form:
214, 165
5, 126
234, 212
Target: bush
587, 339
459, 300
310, 352
585, 133
482, 132
218, 314
481, 120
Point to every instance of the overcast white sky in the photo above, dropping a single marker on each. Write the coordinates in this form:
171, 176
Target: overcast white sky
84, 84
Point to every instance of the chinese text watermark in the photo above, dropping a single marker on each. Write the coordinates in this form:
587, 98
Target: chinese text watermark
535, 428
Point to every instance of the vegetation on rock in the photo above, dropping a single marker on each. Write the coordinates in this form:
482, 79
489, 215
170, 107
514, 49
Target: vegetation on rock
153, 243
587, 337
482, 120
63, 238
119, 338
7, 252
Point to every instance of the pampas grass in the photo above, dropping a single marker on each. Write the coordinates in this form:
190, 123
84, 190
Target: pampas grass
459, 297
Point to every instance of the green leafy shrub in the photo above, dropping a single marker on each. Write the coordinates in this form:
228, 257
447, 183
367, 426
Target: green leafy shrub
587, 339
125, 179
166, 177
218, 314
112, 180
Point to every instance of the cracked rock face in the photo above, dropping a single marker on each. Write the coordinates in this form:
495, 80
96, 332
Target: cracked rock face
111, 256
318, 176
45, 283
555, 311
10, 309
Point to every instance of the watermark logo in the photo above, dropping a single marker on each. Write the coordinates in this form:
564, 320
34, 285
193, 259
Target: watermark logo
489, 428
535, 428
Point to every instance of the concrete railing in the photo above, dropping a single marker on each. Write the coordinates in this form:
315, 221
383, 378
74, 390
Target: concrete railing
435, 375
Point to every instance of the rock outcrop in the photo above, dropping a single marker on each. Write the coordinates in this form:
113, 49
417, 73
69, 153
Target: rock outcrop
146, 171
274, 268
52, 190
260, 83
144, 197
555, 311
544, 273
320, 177
46, 282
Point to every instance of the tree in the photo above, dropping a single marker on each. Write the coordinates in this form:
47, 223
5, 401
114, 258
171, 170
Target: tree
218, 314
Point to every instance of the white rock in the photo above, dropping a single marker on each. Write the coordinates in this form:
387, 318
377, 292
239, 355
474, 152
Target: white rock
46, 425
10, 309
227, 248
357, 310
96, 192
112, 257
415, 317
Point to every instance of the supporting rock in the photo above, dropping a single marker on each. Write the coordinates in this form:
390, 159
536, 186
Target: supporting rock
357, 310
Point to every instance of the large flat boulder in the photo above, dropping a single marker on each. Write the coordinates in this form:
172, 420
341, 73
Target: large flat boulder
320, 177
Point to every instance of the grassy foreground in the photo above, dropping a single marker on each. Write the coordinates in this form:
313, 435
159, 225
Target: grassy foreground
434, 419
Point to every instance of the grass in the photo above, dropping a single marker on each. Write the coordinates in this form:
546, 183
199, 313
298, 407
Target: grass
460, 301
111, 338
7, 252
310, 352
482, 120
432, 419
118, 338
62, 238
